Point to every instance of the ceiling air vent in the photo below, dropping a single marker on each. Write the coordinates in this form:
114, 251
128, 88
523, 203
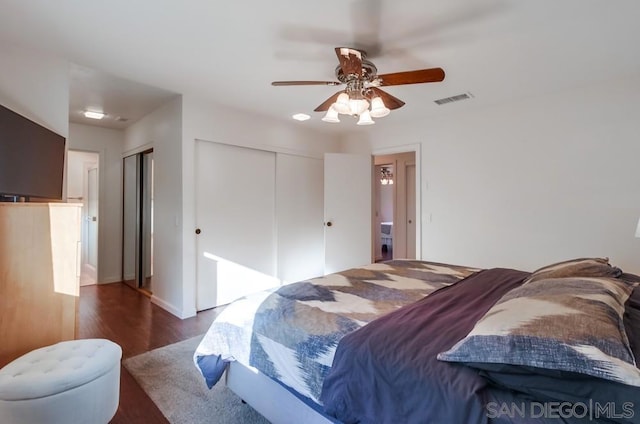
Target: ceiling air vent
451, 99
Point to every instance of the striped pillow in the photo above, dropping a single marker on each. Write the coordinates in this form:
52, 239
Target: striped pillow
582, 267
563, 324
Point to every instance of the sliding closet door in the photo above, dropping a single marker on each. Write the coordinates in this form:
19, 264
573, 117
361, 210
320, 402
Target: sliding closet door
131, 212
137, 237
235, 219
299, 200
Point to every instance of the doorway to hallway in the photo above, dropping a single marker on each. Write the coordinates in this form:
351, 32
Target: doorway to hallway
83, 188
394, 206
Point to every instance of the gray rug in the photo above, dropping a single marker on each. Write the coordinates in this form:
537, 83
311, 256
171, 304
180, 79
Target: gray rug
172, 381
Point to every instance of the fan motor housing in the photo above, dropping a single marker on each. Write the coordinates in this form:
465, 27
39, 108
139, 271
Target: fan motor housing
369, 72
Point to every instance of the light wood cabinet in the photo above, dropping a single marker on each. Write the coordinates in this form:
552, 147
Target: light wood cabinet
39, 275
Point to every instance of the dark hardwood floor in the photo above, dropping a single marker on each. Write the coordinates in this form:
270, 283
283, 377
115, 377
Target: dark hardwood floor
127, 317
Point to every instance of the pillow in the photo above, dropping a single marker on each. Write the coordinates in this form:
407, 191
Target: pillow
582, 267
563, 324
632, 321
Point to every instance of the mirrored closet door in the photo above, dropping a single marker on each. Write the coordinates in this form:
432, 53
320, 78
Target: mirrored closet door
137, 237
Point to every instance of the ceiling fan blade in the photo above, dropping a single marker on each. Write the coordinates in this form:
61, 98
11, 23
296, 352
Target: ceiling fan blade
412, 77
350, 60
327, 103
286, 83
389, 101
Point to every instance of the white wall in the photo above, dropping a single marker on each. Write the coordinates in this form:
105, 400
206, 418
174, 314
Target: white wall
108, 143
162, 130
531, 182
35, 85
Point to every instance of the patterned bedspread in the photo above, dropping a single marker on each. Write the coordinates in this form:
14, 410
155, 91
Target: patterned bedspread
291, 333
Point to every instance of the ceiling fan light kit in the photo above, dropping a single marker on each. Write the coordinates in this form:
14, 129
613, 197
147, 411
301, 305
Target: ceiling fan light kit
362, 97
365, 119
378, 108
331, 116
342, 104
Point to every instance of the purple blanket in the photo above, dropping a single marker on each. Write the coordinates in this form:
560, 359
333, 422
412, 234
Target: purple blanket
387, 371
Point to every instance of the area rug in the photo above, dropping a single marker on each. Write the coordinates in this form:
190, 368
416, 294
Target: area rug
171, 380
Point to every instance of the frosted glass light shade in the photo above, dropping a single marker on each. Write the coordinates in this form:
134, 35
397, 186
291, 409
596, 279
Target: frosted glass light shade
342, 104
638, 229
365, 119
331, 116
358, 106
378, 109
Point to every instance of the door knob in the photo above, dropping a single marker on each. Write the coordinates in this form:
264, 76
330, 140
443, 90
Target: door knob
410, 221
198, 231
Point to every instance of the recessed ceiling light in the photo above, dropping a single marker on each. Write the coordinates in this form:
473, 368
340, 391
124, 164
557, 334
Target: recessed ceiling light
301, 117
93, 115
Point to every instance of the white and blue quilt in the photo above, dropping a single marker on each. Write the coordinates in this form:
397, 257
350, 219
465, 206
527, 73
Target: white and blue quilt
290, 333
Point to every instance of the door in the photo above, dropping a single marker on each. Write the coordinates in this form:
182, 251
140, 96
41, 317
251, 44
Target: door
130, 219
347, 211
299, 199
92, 217
146, 225
235, 218
411, 210
137, 237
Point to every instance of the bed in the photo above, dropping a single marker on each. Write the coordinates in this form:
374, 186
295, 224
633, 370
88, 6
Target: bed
408, 341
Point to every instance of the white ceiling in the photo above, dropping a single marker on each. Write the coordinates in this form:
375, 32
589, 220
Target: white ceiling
498, 50
123, 101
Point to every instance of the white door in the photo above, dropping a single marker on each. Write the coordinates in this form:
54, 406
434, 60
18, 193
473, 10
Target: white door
411, 210
299, 194
235, 218
347, 211
92, 218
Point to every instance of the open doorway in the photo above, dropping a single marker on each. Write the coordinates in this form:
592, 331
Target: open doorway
395, 226
83, 187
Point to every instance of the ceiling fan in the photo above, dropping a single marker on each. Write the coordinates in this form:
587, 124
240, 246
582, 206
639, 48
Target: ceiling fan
362, 87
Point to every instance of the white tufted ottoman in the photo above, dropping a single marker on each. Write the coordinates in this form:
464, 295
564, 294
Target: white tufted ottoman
77, 381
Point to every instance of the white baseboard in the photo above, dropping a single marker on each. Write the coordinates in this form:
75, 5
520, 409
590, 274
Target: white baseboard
110, 280
167, 306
